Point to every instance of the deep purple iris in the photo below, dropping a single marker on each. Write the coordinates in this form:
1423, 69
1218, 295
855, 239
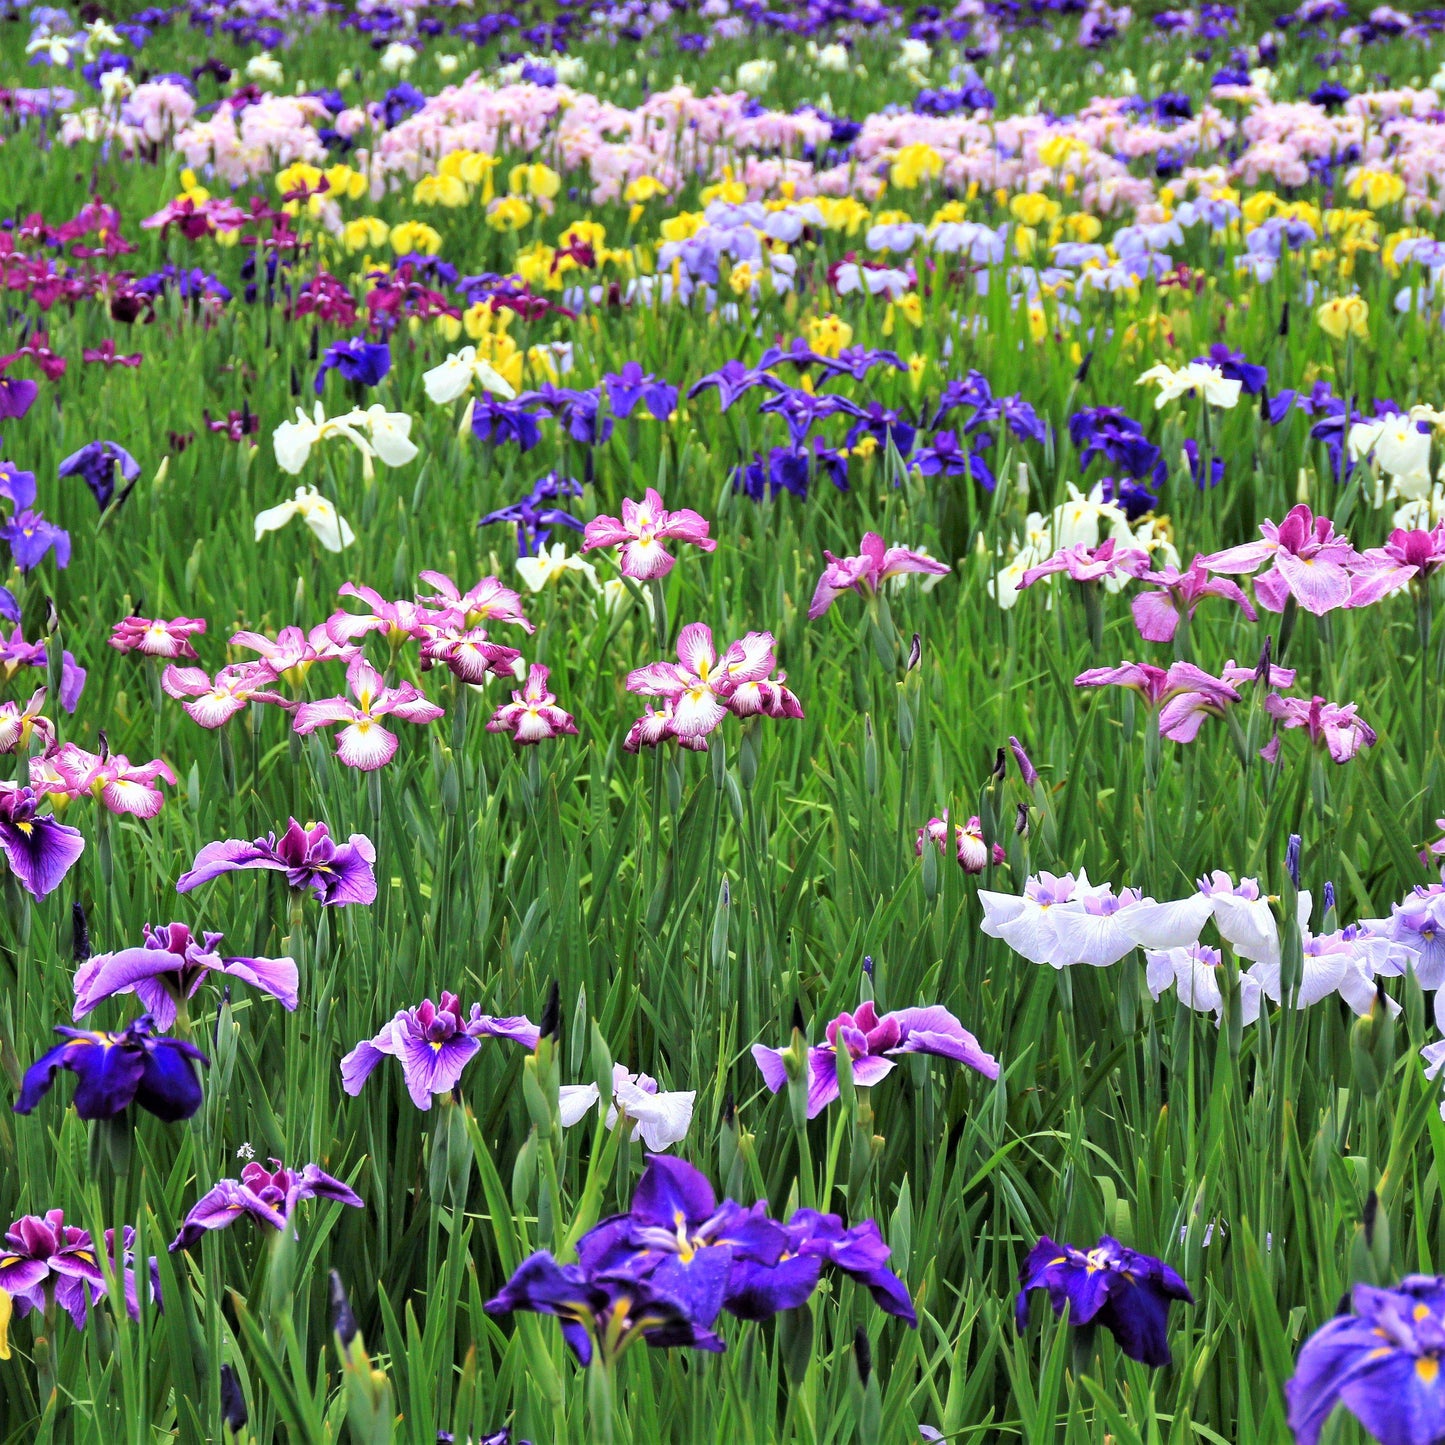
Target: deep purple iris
17, 395
1127, 1292
96, 464
336, 873
361, 362
533, 518
115, 1070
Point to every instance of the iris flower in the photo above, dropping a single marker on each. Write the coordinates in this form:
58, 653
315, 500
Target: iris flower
972, 851
363, 742
269, 1196
867, 572
457, 375
1176, 594
433, 1043
1198, 376
96, 465
213, 703
357, 360
156, 637
661, 1119
69, 772
114, 1070
1305, 560
1381, 1361
328, 526
600, 1312
874, 1043
168, 969
532, 716
39, 850
335, 873
1127, 1292
44, 1258
642, 529
1336, 727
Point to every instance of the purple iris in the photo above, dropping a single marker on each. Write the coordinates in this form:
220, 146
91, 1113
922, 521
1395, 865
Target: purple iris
40, 851
873, 1043
631, 385
1382, 1363
337, 873
533, 519
30, 537
96, 463
816, 1241
1107, 431
17, 396
359, 361
1236, 367
116, 1070
44, 1258
943, 455
605, 1312
972, 391
17, 652
1196, 465
579, 411
801, 409
1134, 497
433, 1043
1127, 1292
680, 1240
169, 967
16, 486
884, 425
732, 380
858, 361
499, 422
268, 1195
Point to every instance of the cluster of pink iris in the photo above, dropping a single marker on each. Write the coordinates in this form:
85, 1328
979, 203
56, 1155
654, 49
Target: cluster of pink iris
1300, 560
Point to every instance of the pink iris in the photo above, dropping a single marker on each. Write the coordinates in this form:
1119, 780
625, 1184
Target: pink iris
532, 716
866, 573
1157, 613
363, 742
643, 528
1307, 562
155, 637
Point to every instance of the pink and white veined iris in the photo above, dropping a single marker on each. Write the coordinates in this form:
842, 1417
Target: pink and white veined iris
363, 742
465, 650
866, 573
701, 688
293, 653
1305, 560
396, 622
157, 637
488, 601
973, 852
69, 772
642, 529
18, 721
532, 716
214, 703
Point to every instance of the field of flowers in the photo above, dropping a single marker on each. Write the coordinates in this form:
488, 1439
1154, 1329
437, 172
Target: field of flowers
721, 721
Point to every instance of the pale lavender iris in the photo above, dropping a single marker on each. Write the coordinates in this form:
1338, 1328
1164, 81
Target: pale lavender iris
874, 1043
168, 969
433, 1043
337, 873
